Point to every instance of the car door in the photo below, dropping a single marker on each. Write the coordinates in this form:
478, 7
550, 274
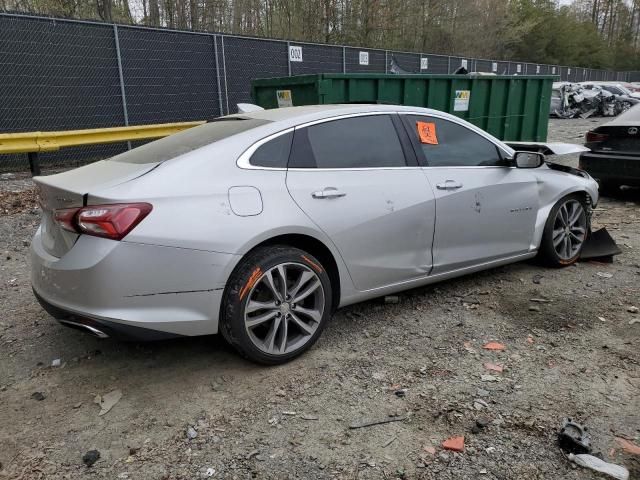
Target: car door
485, 208
360, 183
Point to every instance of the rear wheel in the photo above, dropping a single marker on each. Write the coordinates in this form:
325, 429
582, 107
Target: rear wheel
276, 304
565, 232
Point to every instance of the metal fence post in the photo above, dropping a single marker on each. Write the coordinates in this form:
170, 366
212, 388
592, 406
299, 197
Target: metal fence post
448, 64
215, 53
123, 93
34, 163
289, 58
386, 61
224, 70
344, 59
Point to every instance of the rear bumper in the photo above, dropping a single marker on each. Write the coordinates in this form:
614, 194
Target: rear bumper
132, 290
620, 169
101, 328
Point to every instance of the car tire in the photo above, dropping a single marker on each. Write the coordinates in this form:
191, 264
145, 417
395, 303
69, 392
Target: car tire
270, 321
568, 221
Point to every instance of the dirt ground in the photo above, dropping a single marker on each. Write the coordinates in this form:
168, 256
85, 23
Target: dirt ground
571, 351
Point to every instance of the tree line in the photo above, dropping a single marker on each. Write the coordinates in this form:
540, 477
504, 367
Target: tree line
589, 33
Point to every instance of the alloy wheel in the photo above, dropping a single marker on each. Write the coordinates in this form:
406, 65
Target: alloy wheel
284, 308
569, 229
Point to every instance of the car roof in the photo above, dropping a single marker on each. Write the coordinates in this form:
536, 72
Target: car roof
316, 112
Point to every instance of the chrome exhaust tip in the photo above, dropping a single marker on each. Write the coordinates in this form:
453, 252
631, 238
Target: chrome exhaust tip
86, 328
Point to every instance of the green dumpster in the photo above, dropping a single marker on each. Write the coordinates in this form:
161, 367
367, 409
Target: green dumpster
512, 108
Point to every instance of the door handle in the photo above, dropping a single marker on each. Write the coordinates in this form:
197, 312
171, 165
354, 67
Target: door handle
328, 192
449, 185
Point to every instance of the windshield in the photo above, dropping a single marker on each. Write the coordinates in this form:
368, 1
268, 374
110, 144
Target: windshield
191, 139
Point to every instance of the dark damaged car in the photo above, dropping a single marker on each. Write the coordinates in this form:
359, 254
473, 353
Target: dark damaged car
614, 159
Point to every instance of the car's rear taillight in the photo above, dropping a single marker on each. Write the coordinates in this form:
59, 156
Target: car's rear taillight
592, 137
112, 221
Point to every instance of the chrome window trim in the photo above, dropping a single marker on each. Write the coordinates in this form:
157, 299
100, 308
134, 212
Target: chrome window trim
351, 169
244, 160
427, 167
342, 117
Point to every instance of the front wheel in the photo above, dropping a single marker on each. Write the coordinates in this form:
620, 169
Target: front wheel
565, 232
276, 304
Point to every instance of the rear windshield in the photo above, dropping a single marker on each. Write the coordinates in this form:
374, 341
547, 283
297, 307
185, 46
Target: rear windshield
188, 140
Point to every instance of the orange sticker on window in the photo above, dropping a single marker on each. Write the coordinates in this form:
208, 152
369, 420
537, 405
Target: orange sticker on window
427, 132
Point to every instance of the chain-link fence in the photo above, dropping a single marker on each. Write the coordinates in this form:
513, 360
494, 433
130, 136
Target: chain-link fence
67, 74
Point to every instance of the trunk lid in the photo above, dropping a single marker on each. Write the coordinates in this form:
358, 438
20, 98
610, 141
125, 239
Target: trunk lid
69, 189
621, 139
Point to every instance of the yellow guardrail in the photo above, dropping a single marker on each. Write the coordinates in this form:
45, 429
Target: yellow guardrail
34, 142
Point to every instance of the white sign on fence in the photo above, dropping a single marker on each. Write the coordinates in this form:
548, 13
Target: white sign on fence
494, 67
553, 70
537, 69
518, 68
463, 63
364, 58
295, 53
424, 63
461, 101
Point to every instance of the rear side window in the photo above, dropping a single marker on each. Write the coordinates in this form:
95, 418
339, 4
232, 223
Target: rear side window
191, 139
274, 153
357, 142
449, 144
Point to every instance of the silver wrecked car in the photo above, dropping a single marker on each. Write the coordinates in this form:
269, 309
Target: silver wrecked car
259, 225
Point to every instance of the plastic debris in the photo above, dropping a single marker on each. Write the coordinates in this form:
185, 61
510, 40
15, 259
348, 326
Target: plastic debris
455, 444
573, 437
107, 401
56, 363
594, 463
632, 309
191, 433
494, 346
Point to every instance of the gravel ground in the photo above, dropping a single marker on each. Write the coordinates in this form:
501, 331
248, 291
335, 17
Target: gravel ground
571, 350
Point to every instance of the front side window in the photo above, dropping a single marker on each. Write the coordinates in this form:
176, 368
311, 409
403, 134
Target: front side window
356, 142
448, 144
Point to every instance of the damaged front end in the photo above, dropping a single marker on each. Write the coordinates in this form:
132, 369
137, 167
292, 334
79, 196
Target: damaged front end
599, 244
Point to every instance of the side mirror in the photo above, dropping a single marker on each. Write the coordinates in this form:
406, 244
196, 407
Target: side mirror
528, 159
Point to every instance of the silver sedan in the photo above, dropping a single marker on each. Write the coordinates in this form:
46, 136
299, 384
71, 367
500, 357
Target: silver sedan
259, 225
